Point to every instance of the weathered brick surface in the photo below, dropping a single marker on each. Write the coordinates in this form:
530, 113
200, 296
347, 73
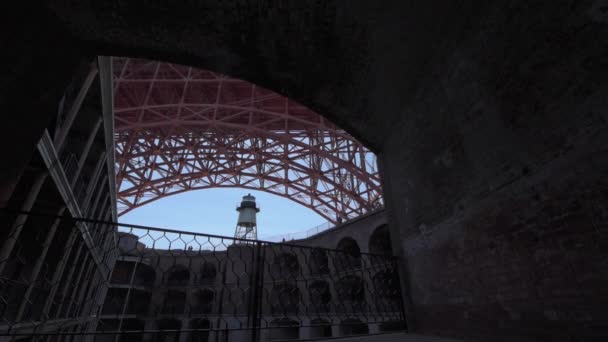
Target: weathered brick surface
502, 199
527, 261
490, 117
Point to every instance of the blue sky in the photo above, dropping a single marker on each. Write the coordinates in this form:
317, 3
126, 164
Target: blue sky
212, 211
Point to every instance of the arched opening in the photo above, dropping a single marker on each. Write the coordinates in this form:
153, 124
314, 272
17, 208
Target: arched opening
285, 299
122, 272
178, 275
139, 302
171, 331
350, 255
114, 301
387, 291
145, 275
285, 265
318, 261
203, 301
351, 294
174, 303
201, 330
284, 329
353, 326
320, 296
386, 285
208, 272
380, 241
320, 328
236, 301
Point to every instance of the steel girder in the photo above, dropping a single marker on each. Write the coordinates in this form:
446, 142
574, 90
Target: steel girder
180, 128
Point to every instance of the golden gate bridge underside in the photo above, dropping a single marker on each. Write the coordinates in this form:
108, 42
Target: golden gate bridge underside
180, 128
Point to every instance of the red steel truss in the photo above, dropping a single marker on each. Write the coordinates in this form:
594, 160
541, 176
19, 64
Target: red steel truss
180, 128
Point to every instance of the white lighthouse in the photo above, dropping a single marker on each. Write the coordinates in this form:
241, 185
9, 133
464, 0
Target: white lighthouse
246, 227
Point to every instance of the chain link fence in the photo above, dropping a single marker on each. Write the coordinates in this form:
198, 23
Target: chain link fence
150, 284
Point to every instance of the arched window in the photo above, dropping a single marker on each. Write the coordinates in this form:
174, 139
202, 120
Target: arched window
284, 299
285, 265
175, 302
208, 273
203, 301
320, 296
114, 301
386, 291
349, 256
236, 300
144, 275
351, 294
179, 275
121, 274
353, 326
386, 284
318, 261
201, 330
138, 302
284, 329
380, 241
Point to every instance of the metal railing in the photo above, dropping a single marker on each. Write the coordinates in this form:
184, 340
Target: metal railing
173, 285
320, 228
299, 235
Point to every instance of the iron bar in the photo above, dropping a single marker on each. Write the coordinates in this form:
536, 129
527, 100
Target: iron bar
85, 151
74, 109
17, 226
40, 261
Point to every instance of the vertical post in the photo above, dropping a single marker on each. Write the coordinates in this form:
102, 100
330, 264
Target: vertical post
17, 226
86, 210
59, 274
81, 272
254, 319
395, 265
98, 296
93, 183
85, 153
81, 310
128, 296
68, 279
107, 107
82, 287
38, 266
65, 128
